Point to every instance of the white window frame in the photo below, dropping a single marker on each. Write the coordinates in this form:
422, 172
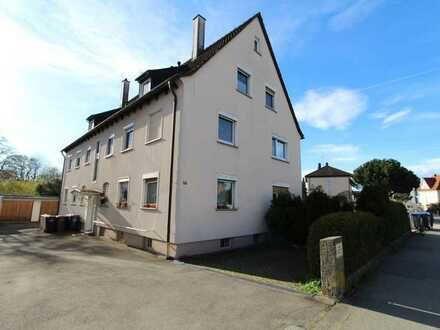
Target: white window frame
66, 195
234, 121
128, 128
271, 91
122, 180
78, 157
144, 84
69, 163
248, 75
234, 192
107, 155
257, 42
280, 185
286, 159
88, 152
152, 175
147, 130
74, 191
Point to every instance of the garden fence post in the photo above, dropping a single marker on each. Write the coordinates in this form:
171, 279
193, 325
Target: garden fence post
332, 266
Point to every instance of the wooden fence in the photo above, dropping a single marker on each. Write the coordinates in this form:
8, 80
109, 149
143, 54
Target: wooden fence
26, 209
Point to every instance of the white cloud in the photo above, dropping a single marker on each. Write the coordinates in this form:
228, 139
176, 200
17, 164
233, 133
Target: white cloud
395, 117
428, 115
354, 13
337, 152
426, 167
335, 108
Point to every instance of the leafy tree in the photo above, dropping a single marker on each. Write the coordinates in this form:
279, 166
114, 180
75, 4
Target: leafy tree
388, 174
50, 184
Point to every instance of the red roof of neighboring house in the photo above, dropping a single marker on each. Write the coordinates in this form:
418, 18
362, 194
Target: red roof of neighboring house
433, 182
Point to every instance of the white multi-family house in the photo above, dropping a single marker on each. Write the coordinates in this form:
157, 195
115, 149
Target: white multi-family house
429, 191
190, 164
330, 180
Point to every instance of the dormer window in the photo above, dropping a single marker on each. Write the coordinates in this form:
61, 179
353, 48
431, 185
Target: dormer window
146, 87
91, 124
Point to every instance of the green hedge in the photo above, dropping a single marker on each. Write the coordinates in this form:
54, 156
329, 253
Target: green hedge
363, 237
396, 221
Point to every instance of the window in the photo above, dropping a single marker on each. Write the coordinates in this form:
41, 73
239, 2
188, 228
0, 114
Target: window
154, 127
123, 194
270, 95
148, 242
279, 190
95, 167
74, 196
242, 82
128, 137
110, 143
225, 242
146, 87
226, 129
98, 146
150, 192
77, 162
66, 195
257, 45
69, 167
87, 159
225, 194
279, 149
91, 124
105, 188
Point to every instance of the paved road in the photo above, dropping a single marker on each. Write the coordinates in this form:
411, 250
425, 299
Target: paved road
404, 293
52, 282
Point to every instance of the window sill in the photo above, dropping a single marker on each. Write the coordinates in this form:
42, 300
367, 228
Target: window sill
227, 144
87, 164
243, 93
280, 159
127, 150
152, 141
233, 209
149, 208
270, 108
108, 156
77, 167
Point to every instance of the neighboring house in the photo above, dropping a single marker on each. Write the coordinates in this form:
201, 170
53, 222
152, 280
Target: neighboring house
190, 164
330, 180
429, 191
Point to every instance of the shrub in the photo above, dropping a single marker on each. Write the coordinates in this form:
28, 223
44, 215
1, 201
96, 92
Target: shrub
362, 234
372, 199
396, 221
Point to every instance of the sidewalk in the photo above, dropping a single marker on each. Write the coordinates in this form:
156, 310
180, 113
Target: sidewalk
403, 293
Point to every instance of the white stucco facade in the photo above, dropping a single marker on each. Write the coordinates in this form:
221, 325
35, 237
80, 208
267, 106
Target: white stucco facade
427, 195
197, 225
332, 186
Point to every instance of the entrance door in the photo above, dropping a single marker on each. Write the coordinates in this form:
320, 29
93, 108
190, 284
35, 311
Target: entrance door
90, 213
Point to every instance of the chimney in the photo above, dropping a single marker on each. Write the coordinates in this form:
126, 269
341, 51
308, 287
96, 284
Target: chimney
326, 164
319, 166
198, 36
124, 92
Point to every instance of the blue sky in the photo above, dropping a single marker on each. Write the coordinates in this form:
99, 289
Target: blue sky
364, 76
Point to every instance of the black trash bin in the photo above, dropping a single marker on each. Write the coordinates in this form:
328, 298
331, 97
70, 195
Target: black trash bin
75, 223
51, 224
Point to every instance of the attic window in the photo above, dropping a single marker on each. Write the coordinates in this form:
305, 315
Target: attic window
91, 124
146, 87
257, 45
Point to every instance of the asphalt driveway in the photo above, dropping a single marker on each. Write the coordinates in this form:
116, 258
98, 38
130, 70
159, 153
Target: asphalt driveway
65, 282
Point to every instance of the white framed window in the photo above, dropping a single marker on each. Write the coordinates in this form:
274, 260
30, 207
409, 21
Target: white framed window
154, 127
146, 87
225, 242
243, 81
110, 146
279, 148
270, 98
150, 189
279, 189
69, 162
66, 195
87, 157
226, 193
97, 149
75, 193
226, 129
123, 189
78, 161
257, 45
127, 143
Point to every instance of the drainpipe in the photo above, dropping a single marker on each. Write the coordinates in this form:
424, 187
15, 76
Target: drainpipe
62, 181
170, 195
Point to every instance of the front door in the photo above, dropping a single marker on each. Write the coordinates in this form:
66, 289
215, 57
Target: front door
90, 213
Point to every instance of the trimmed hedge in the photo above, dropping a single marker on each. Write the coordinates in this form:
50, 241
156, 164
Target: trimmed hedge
396, 221
363, 237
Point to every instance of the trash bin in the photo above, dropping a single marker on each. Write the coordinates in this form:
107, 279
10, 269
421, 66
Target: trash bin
51, 224
75, 223
67, 222
60, 223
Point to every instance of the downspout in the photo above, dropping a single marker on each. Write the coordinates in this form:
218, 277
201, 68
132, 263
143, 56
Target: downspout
170, 194
62, 181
